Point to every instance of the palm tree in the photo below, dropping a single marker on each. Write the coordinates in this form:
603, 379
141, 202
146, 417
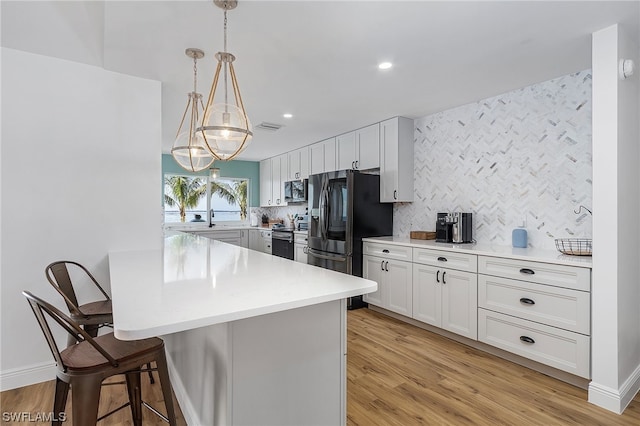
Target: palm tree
185, 192
240, 189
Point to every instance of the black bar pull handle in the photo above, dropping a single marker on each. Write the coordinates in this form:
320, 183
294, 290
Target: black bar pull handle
527, 301
527, 339
442, 259
386, 266
385, 251
527, 271
382, 265
443, 274
438, 276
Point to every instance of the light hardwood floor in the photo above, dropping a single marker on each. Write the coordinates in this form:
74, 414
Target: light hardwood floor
398, 374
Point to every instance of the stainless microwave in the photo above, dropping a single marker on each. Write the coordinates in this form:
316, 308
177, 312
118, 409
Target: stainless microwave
295, 191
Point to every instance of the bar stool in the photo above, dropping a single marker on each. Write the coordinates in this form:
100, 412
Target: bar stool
85, 365
91, 316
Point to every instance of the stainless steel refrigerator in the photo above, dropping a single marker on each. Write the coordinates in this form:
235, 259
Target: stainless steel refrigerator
344, 208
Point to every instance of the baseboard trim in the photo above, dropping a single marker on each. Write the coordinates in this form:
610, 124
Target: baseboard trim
188, 410
613, 399
25, 376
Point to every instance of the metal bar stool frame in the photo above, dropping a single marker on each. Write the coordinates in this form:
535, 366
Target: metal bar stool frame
85, 365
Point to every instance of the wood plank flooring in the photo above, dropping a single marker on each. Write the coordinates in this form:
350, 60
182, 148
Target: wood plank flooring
398, 374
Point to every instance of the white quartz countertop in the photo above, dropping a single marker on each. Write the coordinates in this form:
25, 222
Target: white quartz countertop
195, 281
530, 254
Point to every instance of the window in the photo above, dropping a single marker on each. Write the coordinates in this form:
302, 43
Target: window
189, 198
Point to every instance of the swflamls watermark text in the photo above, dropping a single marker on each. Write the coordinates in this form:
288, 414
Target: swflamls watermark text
27, 416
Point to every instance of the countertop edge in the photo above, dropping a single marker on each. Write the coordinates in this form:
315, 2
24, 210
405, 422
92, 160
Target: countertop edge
508, 252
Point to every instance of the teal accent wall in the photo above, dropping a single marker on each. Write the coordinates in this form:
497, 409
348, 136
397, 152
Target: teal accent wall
232, 169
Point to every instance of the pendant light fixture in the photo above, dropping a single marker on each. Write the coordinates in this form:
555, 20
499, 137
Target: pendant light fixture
189, 149
225, 128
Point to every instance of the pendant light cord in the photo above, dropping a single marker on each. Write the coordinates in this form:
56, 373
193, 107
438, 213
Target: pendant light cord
225, 62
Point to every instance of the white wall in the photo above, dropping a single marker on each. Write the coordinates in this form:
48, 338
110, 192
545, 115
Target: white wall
81, 167
616, 232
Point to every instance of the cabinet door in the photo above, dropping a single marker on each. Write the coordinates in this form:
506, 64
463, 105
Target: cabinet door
278, 177
330, 155
396, 160
389, 160
367, 147
373, 269
460, 302
346, 151
427, 306
244, 238
398, 282
316, 158
294, 165
265, 183
255, 240
304, 163
284, 167
300, 253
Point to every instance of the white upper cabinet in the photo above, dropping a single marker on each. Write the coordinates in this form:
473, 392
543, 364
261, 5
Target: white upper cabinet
346, 151
266, 198
298, 164
323, 156
360, 149
273, 174
396, 160
368, 147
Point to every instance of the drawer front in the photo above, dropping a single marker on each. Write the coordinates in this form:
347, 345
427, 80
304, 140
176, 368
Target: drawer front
387, 251
220, 235
557, 348
300, 238
558, 307
446, 259
536, 272
265, 234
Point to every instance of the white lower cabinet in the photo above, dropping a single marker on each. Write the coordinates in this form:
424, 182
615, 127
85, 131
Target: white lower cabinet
446, 298
300, 241
238, 237
394, 278
537, 310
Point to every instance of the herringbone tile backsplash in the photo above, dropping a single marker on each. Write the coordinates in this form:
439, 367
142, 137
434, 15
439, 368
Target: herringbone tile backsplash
524, 156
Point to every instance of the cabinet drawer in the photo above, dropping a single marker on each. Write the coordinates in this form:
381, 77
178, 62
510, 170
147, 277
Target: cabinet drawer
446, 259
536, 272
557, 348
388, 251
300, 238
554, 306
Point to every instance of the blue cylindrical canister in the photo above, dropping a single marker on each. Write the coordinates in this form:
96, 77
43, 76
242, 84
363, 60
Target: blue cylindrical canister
519, 237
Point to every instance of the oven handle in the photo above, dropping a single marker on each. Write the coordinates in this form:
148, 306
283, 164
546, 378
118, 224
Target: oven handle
313, 253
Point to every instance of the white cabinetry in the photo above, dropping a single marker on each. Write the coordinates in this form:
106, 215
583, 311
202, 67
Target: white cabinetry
273, 174
537, 310
255, 240
360, 149
298, 164
238, 237
394, 277
396, 160
300, 241
322, 156
446, 297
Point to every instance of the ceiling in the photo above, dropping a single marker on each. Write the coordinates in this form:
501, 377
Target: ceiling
318, 59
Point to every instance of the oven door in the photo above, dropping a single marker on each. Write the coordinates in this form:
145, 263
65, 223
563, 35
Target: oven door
282, 244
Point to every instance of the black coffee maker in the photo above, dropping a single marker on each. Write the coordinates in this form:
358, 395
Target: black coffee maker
454, 227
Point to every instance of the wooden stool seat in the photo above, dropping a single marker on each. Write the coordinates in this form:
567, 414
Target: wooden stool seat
82, 367
84, 356
99, 308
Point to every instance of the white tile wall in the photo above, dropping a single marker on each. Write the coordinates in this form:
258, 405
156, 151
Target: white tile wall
521, 156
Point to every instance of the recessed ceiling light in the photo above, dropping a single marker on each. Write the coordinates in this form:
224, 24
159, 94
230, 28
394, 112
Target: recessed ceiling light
287, 115
385, 65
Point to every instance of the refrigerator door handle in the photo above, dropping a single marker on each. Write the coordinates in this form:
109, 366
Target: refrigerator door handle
314, 253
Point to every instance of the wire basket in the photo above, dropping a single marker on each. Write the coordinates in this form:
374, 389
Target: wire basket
574, 246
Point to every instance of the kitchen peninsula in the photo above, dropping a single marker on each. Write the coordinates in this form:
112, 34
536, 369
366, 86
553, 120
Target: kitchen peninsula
251, 338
